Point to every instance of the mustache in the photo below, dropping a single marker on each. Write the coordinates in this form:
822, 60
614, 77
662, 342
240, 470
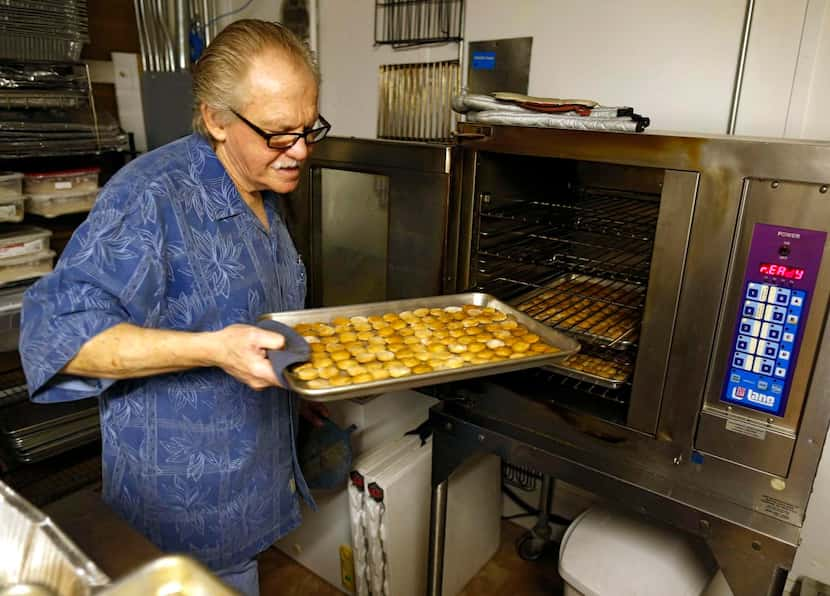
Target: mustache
285, 163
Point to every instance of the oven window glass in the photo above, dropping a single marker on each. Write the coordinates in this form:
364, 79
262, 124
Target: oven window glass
354, 236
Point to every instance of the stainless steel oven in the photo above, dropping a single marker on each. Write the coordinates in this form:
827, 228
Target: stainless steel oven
694, 271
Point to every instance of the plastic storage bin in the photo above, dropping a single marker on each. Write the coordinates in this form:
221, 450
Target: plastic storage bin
607, 553
11, 184
24, 240
61, 182
60, 204
26, 266
12, 208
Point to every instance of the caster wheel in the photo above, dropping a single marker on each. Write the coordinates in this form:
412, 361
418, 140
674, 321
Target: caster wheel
530, 547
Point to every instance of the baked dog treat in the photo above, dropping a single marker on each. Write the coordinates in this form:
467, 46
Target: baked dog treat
597, 366
602, 309
350, 351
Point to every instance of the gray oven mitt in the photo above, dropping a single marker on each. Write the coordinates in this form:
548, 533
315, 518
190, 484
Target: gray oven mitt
295, 349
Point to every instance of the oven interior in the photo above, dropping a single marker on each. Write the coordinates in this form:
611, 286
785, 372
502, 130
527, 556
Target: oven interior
570, 243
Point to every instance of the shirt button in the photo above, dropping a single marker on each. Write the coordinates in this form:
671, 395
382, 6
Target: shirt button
292, 486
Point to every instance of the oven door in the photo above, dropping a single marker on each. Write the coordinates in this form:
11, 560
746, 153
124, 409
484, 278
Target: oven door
374, 221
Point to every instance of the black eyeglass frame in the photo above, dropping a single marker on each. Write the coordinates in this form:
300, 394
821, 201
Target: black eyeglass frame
297, 135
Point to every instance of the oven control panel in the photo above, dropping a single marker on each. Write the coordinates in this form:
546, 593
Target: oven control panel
779, 279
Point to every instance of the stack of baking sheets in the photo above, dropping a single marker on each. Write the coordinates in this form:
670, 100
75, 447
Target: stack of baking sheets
33, 432
42, 85
38, 133
45, 109
43, 29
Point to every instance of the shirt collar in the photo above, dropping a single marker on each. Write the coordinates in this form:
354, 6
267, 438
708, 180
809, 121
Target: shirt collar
222, 197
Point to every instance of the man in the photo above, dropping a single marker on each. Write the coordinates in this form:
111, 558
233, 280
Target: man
153, 303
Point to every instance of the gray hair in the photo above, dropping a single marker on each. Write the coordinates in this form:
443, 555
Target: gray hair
225, 63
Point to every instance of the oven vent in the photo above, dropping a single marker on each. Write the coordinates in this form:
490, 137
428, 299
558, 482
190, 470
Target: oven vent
415, 101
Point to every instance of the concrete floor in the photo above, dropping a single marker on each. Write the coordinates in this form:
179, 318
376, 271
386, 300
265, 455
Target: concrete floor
505, 573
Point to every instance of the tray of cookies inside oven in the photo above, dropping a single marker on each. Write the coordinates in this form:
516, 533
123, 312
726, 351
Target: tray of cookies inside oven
603, 311
606, 368
366, 349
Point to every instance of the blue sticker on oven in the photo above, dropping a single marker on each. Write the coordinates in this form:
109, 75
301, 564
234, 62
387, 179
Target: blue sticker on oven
484, 60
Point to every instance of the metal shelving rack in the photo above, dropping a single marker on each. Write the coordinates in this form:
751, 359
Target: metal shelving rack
416, 22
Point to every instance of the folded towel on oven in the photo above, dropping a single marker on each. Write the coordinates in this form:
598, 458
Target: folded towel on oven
547, 113
295, 350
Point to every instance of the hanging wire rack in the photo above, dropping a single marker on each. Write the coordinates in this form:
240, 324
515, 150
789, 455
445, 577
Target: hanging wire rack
414, 101
415, 22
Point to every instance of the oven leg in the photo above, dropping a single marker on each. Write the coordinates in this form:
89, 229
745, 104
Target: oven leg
753, 564
448, 453
437, 538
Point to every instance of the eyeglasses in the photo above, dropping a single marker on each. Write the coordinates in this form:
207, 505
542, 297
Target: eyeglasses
286, 140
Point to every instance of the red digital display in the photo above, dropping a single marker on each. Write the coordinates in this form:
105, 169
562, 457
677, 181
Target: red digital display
781, 271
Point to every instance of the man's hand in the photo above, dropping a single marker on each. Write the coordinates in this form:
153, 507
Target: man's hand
241, 351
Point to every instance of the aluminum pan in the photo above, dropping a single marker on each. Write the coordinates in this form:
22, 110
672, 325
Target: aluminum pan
172, 574
554, 338
39, 552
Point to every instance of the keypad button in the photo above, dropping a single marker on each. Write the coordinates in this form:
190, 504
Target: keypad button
746, 344
776, 388
770, 331
784, 354
763, 366
757, 291
780, 372
792, 319
743, 362
780, 296
763, 385
797, 301
767, 349
775, 314
789, 337
752, 309
750, 327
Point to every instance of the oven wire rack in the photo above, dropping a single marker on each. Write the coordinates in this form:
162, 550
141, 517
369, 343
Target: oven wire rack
604, 212
604, 238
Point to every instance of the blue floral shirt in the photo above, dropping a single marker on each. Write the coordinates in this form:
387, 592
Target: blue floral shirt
195, 460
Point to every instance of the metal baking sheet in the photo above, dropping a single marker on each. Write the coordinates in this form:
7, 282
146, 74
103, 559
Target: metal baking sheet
566, 345
583, 376
620, 361
561, 369
619, 343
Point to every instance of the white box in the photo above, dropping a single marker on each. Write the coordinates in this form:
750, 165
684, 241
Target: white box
316, 543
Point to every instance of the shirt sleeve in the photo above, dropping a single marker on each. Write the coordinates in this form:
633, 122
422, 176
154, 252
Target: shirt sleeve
109, 273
